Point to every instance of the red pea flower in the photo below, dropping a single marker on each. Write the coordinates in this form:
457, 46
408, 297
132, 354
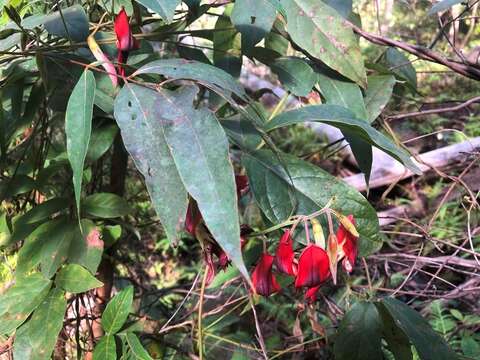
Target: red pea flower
193, 217
313, 267
263, 279
284, 256
348, 245
125, 39
311, 294
241, 181
223, 259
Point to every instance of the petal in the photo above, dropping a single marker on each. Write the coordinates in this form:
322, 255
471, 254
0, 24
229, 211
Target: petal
313, 267
311, 294
284, 256
262, 278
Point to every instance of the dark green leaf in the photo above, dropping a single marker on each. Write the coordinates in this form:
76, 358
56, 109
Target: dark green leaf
359, 334
200, 147
345, 120
117, 311
164, 8
101, 140
242, 132
42, 211
74, 18
227, 48
144, 139
56, 247
78, 126
136, 348
276, 42
19, 184
397, 341
205, 74
86, 249
295, 74
343, 7
106, 349
377, 95
399, 64
444, 5
429, 344
313, 188
105, 205
76, 279
322, 32
254, 19
17, 303
470, 347
36, 338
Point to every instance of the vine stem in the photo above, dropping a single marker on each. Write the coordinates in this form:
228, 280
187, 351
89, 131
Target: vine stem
200, 314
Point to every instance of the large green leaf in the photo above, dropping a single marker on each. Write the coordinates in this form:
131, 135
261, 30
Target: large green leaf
254, 19
78, 126
106, 205
117, 311
35, 339
205, 74
312, 188
295, 74
397, 341
164, 8
443, 5
359, 334
144, 139
323, 33
56, 247
106, 349
429, 344
345, 120
137, 350
227, 48
349, 95
401, 66
200, 147
76, 279
101, 140
377, 95
71, 23
17, 303
86, 249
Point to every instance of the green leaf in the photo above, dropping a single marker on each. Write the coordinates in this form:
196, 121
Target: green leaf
242, 132
443, 5
254, 19
42, 211
470, 347
401, 66
56, 247
200, 147
377, 95
71, 23
312, 188
106, 349
76, 279
144, 139
227, 48
343, 7
295, 74
117, 311
429, 345
207, 75
36, 243
105, 205
359, 334
323, 33
35, 339
345, 120
86, 249
101, 140
349, 95
136, 348
18, 302
396, 339
164, 8
78, 126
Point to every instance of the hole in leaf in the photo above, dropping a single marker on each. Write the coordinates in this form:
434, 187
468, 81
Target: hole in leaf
129, 104
252, 19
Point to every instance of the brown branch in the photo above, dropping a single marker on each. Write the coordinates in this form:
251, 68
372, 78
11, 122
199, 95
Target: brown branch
469, 69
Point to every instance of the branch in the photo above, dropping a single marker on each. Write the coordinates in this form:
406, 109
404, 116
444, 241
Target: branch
467, 69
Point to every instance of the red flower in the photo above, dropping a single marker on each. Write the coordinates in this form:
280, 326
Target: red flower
263, 280
125, 39
313, 267
348, 245
193, 217
311, 294
241, 181
223, 259
284, 256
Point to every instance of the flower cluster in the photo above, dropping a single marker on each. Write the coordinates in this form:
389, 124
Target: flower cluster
315, 264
